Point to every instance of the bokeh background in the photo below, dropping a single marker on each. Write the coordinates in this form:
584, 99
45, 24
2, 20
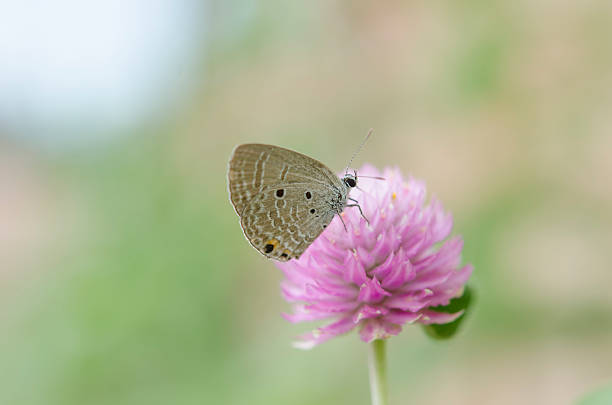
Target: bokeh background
125, 278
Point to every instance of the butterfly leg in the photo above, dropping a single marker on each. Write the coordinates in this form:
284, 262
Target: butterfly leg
342, 220
360, 211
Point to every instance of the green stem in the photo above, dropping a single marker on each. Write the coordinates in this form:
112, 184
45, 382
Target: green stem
377, 364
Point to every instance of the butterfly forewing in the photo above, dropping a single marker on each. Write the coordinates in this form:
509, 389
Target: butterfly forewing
253, 167
282, 197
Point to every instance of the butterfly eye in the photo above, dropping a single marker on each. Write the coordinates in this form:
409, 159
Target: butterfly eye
349, 181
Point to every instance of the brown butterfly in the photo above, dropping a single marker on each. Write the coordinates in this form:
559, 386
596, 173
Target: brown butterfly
284, 199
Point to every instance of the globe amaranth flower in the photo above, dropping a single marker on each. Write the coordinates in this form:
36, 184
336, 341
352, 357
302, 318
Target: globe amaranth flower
377, 276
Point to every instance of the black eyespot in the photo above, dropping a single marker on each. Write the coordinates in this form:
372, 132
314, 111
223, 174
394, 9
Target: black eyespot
312, 210
308, 195
284, 255
324, 226
269, 247
280, 193
350, 182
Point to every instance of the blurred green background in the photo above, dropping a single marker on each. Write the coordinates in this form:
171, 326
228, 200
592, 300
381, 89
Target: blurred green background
125, 278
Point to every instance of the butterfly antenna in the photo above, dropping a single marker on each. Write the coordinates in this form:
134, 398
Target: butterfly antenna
372, 177
359, 149
368, 177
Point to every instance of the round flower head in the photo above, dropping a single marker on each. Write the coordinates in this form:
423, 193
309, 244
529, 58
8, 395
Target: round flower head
377, 276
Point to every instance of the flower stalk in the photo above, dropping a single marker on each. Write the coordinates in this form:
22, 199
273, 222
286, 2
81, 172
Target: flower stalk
377, 365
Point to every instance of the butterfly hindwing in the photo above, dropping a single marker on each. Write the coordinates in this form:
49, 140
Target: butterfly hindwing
284, 219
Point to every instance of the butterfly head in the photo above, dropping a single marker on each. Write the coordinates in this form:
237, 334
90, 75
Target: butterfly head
350, 180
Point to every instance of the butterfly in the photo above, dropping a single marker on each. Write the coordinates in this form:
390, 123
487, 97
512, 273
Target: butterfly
285, 199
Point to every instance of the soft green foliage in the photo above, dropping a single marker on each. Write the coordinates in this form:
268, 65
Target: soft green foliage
153, 296
601, 396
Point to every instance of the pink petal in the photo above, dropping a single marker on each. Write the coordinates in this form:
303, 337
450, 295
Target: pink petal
430, 317
301, 314
332, 307
354, 271
367, 259
447, 257
369, 311
330, 292
382, 270
376, 329
412, 301
400, 317
385, 245
401, 272
428, 280
371, 291
325, 333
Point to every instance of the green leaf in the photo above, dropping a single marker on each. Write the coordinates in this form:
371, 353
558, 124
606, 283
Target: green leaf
447, 330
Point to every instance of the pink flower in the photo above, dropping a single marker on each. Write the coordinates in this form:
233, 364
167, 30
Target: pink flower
381, 275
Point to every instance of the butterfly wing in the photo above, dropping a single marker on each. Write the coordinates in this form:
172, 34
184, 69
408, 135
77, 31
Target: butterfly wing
254, 167
283, 220
283, 198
